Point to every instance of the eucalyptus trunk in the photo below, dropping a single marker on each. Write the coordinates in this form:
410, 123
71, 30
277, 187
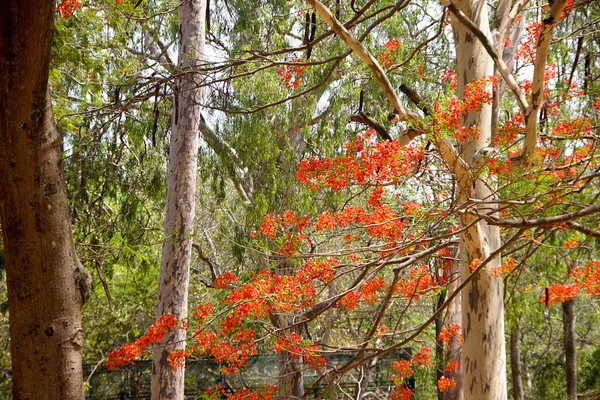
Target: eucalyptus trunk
181, 191
483, 354
46, 283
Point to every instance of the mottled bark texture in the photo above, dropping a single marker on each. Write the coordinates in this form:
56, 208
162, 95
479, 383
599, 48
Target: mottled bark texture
46, 282
181, 192
483, 353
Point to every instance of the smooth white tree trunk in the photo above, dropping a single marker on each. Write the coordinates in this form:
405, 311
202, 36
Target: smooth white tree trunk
483, 360
181, 192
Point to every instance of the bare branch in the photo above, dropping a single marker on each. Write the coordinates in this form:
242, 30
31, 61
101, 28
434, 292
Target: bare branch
241, 178
365, 119
532, 223
364, 54
583, 229
211, 267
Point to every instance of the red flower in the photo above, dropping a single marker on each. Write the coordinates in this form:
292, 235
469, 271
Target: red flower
445, 384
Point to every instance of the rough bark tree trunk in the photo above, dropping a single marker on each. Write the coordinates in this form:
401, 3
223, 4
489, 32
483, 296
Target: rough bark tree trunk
570, 342
483, 352
46, 282
181, 192
515, 364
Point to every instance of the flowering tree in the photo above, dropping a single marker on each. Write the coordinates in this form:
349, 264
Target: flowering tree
400, 222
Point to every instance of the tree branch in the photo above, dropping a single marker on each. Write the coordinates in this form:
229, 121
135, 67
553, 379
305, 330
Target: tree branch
583, 229
364, 54
537, 86
365, 119
532, 223
241, 178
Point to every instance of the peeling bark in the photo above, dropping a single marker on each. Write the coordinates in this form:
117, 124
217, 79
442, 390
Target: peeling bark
46, 282
181, 192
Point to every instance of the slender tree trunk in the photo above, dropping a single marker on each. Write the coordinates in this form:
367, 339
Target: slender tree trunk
44, 276
570, 342
181, 192
515, 364
483, 352
454, 316
440, 357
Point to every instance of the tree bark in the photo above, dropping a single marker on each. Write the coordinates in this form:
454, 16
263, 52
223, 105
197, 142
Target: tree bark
181, 192
440, 357
454, 316
46, 283
483, 354
570, 342
515, 364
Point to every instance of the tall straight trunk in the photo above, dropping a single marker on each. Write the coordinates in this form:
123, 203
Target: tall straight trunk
570, 343
515, 364
454, 316
46, 283
181, 192
483, 352
440, 357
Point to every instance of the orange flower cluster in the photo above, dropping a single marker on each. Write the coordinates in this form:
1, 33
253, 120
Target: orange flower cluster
367, 293
448, 332
422, 358
293, 344
588, 277
507, 268
449, 77
526, 51
385, 59
404, 369
290, 74
127, 354
571, 244
559, 294
224, 280
219, 393
365, 163
573, 127
452, 366
508, 132
66, 8
446, 384
402, 393
448, 117
421, 282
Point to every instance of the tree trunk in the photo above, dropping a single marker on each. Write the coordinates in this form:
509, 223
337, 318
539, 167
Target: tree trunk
515, 364
44, 276
440, 357
181, 192
483, 353
453, 316
570, 338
